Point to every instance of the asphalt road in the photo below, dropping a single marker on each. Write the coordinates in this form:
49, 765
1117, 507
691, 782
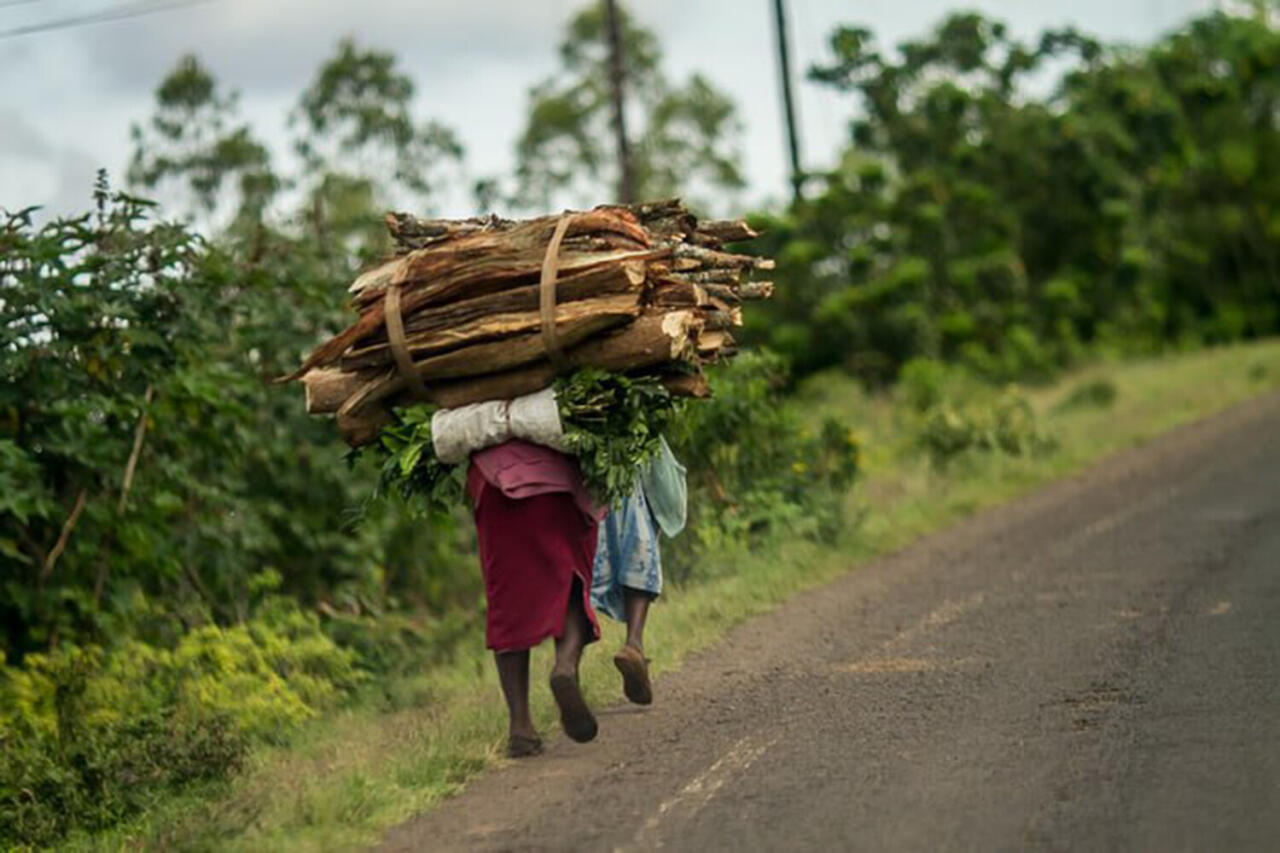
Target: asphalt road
1096, 667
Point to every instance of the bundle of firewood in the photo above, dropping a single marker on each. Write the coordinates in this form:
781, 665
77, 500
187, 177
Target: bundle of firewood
481, 309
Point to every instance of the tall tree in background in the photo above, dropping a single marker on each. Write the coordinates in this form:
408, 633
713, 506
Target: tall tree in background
360, 149
958, 180
684, 141
361, 146
193, 142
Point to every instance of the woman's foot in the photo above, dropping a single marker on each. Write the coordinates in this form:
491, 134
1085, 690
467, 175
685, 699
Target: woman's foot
634, 667
576, 718
523, 746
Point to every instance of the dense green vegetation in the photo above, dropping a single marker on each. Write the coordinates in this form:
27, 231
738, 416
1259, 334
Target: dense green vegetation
348, 775
1135, 206
183, 578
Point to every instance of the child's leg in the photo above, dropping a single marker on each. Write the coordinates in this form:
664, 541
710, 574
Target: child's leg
636, 602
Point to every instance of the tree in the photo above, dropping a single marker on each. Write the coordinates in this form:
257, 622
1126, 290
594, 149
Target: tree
192, 141
1133, 206
151, 479
917, 247
361, 147
685, 138
155, 479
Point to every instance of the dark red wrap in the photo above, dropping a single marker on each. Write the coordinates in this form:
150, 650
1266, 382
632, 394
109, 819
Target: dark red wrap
536, 532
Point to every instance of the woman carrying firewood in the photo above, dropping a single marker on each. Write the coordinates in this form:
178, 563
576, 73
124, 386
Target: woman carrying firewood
542, 559
536, 527
599, 319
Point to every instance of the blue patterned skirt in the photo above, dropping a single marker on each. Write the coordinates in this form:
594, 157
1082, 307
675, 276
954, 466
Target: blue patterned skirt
627, 555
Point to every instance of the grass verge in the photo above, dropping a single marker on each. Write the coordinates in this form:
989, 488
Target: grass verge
347, 777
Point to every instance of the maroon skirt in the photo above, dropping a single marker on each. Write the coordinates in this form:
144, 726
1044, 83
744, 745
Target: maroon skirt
531, 550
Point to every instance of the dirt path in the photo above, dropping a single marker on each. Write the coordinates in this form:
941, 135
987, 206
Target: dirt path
1094, 667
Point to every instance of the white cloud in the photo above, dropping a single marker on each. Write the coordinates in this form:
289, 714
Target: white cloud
34, 170
275, 46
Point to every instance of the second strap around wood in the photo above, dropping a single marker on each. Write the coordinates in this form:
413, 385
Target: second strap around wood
547, 294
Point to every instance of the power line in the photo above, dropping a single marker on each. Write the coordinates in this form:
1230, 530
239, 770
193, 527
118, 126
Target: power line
134, 10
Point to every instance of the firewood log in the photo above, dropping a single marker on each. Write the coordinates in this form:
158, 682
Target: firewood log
752, 290
721, 321
655, 338
687, 385
711, 259
373, 316
626, 277
727, 230
643, 287
483, 256
618, 307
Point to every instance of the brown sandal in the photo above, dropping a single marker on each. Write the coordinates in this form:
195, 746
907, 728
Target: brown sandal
576, 718
634, 667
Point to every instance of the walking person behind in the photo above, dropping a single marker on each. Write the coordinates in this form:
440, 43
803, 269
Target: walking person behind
627, 572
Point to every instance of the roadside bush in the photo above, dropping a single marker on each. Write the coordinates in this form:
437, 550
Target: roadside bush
1006, 425
1094, 394
128, 344
89, 736
922, 383
92, 778
756, 467
399, 643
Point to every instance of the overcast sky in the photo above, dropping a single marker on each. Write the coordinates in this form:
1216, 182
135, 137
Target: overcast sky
67, 97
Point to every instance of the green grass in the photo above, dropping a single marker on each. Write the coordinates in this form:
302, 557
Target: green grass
903, 496
347, 777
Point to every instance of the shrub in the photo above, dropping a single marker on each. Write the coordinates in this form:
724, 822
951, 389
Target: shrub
756, 467
1006, 425
922, 383
89, 736
400, 643
1094, 394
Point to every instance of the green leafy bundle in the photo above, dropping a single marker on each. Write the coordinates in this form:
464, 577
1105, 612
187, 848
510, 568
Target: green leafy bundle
409, 464
612, 424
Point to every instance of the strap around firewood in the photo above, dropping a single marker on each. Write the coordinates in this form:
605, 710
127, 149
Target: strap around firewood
547, 294
399, 348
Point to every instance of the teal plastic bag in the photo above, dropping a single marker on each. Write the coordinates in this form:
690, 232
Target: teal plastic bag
666, 490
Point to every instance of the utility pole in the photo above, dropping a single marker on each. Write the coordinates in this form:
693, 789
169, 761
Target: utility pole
788, 102
626, 178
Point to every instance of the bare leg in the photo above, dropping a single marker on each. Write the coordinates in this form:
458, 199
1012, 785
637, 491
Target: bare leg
636, 604
513, 675
578, 721
630, 659
577, 628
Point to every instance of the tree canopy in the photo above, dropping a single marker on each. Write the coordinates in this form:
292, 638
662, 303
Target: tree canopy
684, 141
1135, 205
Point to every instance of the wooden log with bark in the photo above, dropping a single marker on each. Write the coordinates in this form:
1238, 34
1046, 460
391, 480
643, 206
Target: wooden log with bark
488, 308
